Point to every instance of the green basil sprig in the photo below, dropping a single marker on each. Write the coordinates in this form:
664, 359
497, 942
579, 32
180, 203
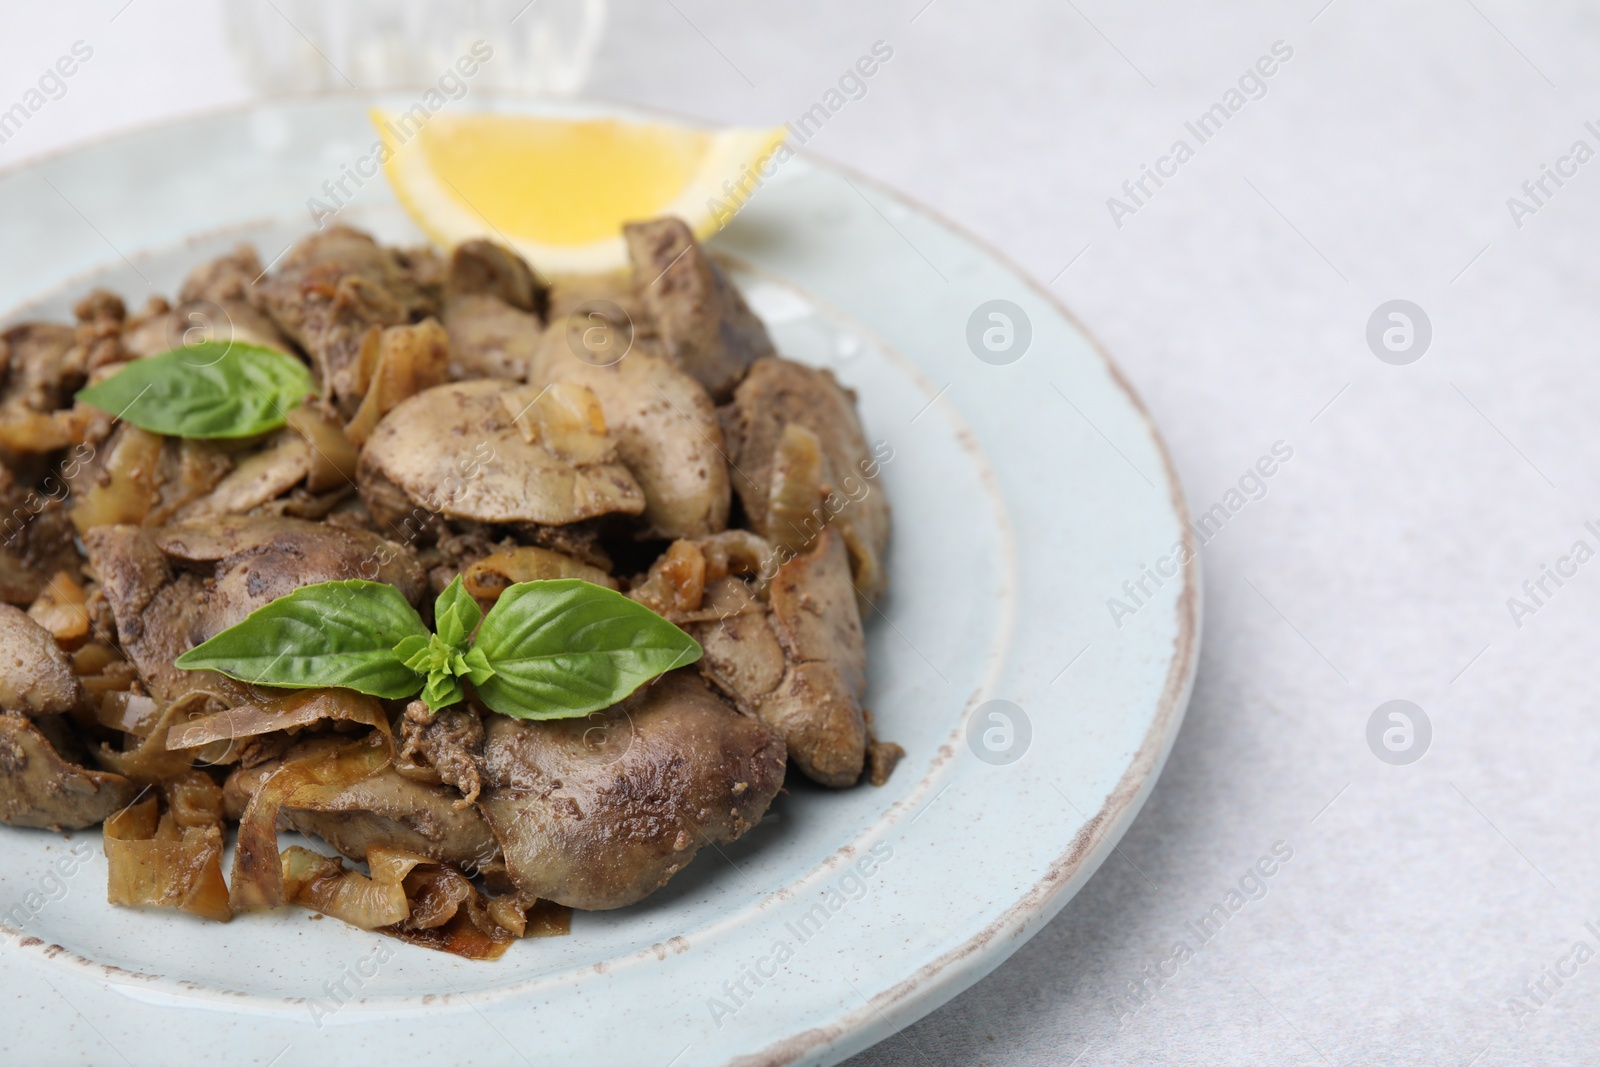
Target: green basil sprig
211, 389
546, 650
443, 658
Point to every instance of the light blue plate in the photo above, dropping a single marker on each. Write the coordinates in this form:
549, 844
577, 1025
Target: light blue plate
1028, 487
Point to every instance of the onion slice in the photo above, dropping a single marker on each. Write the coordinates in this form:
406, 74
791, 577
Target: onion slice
127, 711
95, 657
676, 583
153, 861
685, 583
459, 937
281, 713
492, 575
61, 608
546, 918
531, 917
436, 893
448, 914
194, 799
23, 430
397, 362
413, 899
795, 515
257, 870
333, 457
150, 761
124, 489
322, 884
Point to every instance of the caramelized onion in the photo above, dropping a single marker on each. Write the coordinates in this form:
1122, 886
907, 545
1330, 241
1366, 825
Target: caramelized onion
118, 676
735, 552
131, 713
257, 871
392, 865
407, 896
436, 894
25, 430
154, 861
395, 364
508, 914
868, 571
125, 489
194, 799
803, 501
333, 457
448, 914
412, 898
61, 609
676, 583
322, 884
459, 937
288, 712
93, 657
727, 598
690, 582
546, 918
190, 469
530, 918
493, 574
142, 477
795, 515
149, 761
565, 418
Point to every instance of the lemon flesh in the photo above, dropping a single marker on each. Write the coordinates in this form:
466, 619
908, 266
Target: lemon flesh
559, 190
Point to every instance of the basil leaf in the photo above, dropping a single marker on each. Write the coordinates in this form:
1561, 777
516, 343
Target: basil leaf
475, 666
212, 389
340, 633
563, 648
441, 691
456, 615
410, 652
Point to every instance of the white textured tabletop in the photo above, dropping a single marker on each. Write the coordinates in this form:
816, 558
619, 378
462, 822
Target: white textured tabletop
1426, 539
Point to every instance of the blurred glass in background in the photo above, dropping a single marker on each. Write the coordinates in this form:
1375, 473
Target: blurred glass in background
296, 46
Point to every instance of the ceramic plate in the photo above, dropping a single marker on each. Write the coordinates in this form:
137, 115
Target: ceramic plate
1028, 486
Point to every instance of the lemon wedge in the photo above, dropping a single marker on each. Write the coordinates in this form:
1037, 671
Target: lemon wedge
559, 190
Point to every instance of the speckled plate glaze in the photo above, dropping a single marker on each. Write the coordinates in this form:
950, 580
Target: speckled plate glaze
1028, 485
